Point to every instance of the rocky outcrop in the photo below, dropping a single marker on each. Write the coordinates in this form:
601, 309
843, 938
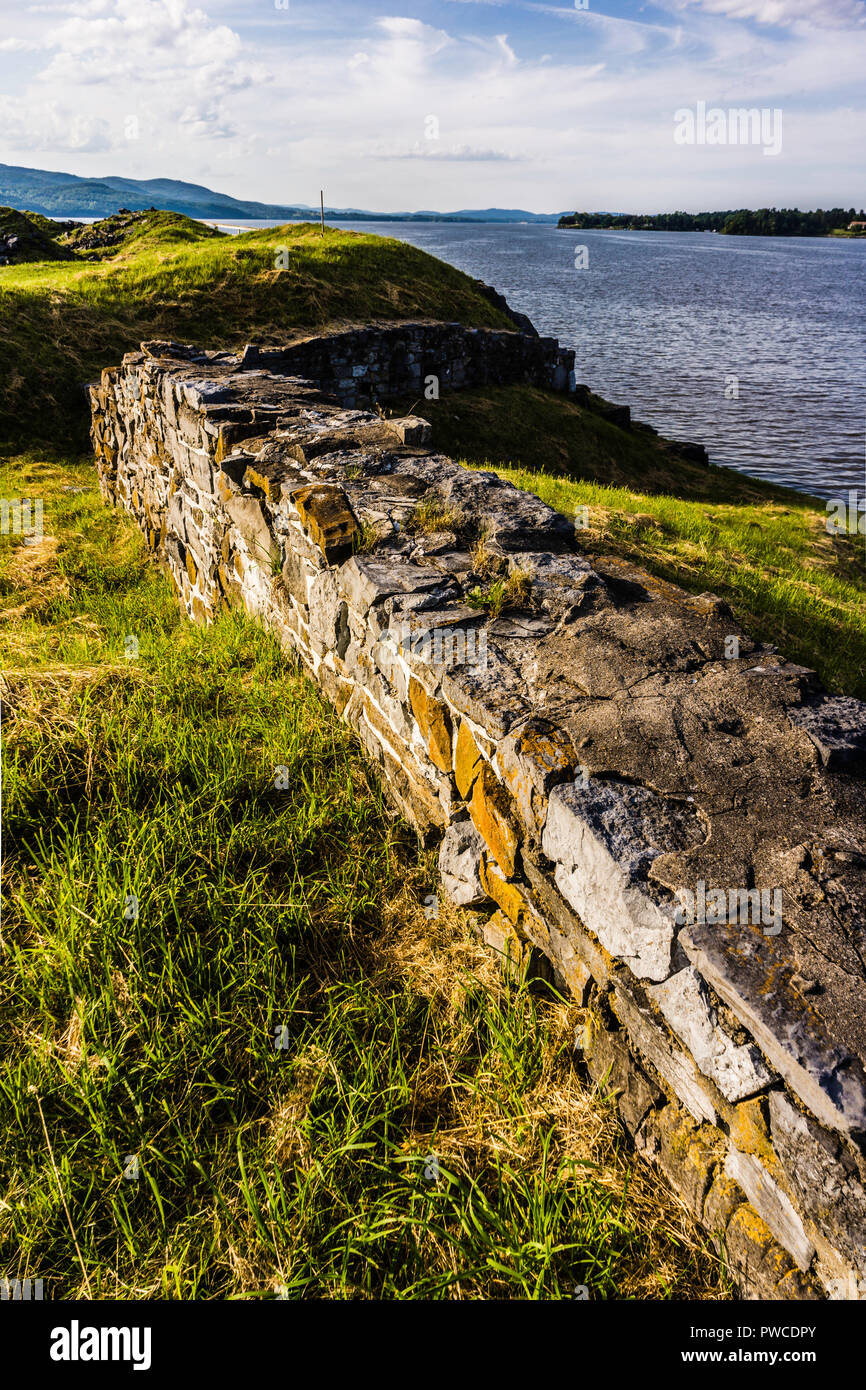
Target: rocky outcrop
674, 833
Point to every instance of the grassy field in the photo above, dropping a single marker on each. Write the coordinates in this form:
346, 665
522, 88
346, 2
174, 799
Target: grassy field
63, 321
284, 1072
764, 549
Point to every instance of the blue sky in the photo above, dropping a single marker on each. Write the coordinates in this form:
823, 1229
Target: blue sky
410, 104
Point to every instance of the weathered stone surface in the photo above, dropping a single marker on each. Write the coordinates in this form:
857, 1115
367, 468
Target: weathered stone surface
603, 837
467, 760
573, 949
325, 513
827, 1187
771, 1204
367, 580
837, 726
764, 1268
411, 429
507, 895
460, 863
247, 514
754, 976
612, 1066
683, 1151
737, 1071
490, 809
672, 1064
534, 760
499, 934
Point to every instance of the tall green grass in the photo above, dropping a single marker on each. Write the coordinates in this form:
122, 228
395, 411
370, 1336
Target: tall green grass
280, 1075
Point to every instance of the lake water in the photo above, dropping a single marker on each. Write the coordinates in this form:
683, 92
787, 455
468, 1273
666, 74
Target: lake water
661, 321
665, 321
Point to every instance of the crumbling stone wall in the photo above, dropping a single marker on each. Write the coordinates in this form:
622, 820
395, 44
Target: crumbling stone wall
364, 365
639, 799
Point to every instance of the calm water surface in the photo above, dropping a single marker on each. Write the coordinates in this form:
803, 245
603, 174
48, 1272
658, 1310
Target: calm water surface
659, 320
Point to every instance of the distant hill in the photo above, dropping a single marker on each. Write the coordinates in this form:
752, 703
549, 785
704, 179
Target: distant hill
66, 195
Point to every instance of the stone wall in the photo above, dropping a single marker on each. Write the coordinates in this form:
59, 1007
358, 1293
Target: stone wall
639, 800
364, 365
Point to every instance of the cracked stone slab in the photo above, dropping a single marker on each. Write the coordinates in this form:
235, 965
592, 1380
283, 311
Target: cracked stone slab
460, 864
754, 974
366, 580
837, 727
603, 837
738, 1071
771, 1204
671, 1063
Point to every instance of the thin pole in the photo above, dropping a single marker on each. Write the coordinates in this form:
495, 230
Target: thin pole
322, 201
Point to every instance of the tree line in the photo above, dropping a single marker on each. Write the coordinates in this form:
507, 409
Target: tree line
739, 222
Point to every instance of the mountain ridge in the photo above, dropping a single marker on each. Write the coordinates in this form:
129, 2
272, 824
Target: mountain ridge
56, 194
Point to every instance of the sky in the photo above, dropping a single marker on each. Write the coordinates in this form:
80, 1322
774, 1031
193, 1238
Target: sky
397, 105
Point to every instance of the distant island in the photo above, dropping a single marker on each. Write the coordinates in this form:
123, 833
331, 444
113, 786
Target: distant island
740, 222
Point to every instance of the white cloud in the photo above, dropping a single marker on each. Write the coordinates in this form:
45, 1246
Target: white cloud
589, 120
831, 14
459, 154
51, 127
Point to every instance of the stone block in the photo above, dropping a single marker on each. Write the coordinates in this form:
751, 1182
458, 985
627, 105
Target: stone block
532, 761
595, 837
738, 1071
467, 760
328, 519
460, 862
823, 1178
672, 1064
434, 721
771, 1204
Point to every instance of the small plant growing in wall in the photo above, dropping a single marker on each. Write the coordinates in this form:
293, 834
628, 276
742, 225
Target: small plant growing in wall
366, 538
512, 592
434, 514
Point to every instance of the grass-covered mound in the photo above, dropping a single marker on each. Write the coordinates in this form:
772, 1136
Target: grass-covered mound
27, 237
171, 277
283, 1072
765, 549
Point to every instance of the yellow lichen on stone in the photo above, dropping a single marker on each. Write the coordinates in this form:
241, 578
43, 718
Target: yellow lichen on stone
467, 760
434, 722
750, 1133
490, 809
506, 895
